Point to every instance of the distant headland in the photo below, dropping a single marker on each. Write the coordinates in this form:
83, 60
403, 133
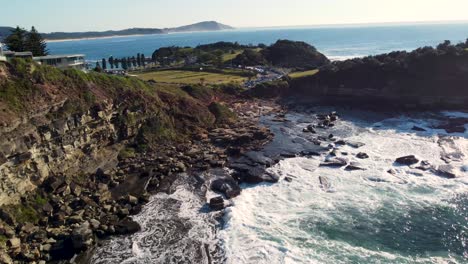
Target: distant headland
57, 36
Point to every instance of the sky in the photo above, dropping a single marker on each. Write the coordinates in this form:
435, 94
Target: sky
86, 15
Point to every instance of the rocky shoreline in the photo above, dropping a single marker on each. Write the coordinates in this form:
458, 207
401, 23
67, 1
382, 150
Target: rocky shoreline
74, 214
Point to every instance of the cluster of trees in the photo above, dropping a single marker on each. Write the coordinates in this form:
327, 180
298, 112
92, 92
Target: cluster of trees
223, 46
202, 54
284, 53
442, 70
21, 40
122, 63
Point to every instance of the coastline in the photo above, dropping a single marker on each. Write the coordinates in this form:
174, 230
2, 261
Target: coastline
94, 38
132, 35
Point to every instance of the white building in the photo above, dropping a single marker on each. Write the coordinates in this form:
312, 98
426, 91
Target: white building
76, 61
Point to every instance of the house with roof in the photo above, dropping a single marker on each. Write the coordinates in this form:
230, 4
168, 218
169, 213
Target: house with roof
13, 54
76, 61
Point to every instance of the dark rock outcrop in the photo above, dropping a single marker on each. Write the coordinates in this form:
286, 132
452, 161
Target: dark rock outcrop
334, 162
217, 203
227, 186
407, 160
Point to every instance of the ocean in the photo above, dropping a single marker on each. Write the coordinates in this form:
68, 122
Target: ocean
385, 213
336, 42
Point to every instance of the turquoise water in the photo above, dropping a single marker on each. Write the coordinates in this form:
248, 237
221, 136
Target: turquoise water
368, 216
335, 42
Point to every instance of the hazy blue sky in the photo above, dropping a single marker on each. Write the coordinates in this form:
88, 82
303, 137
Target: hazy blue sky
81, 15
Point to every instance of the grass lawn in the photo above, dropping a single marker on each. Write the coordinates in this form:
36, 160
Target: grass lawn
302, 74
230, 56
190, 77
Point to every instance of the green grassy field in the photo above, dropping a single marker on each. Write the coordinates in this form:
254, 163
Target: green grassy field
231, 56
189, 77
303, 74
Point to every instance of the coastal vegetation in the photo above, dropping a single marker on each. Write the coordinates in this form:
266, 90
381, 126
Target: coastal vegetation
285, 54
427, 71
21, 40
428, 77
190, 77
300, 74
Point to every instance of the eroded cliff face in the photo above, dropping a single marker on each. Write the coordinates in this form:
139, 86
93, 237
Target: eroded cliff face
33, 148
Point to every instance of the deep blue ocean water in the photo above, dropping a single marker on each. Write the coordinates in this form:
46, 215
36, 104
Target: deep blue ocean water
335, 42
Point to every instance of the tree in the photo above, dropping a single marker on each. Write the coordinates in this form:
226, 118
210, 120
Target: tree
138, 60
111, 62
35, 43
104, 64
16, 40
98, 67
218, 61
129, 62
124, 63
143, 60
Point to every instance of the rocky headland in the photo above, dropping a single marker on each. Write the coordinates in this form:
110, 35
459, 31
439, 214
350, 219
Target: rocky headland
81, 153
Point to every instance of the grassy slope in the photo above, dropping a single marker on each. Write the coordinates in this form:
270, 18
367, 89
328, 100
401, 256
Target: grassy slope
295, 75
27, 88
230, 56
190, 77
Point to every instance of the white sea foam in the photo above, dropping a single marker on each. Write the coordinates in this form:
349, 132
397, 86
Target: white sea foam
174, 230
298, 222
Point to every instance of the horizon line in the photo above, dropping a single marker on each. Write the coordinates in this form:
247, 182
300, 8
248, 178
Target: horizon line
420, 22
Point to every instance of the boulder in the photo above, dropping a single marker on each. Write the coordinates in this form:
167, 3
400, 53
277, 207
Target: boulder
340, 142
127, 226
355, 144
6, 217
447, 171
226, 185
310, 129
325, 184
310, 153
362, 155
354, 166
217, 203
288, 179
82, 236
132, 200
13, 243
425, 166
334, 162
23, 157
256, 175
407, 160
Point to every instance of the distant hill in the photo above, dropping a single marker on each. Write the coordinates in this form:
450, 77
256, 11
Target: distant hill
102, 34
4, 32
202, 26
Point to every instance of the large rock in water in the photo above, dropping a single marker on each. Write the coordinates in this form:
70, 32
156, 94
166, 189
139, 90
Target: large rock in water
407, 160
334, 162
226, 185
217, 203
446, 171
127, 226
256, 174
